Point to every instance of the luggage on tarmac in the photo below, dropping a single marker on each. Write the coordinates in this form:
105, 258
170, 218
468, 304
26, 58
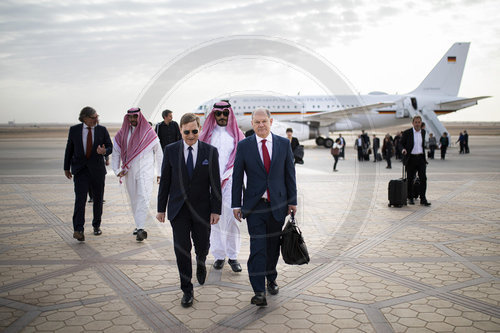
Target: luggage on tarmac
398, 191
366, 157
379, 157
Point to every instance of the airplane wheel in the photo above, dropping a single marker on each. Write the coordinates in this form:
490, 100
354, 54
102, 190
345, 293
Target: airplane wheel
328, 143
320, 141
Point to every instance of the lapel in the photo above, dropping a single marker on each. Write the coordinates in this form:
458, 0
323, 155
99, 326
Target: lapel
79, 135
200, 157
182, 162
255, 151
412, 139
94, 139
276, 151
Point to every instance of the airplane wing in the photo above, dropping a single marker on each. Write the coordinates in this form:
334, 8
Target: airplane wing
331, 116
460, 103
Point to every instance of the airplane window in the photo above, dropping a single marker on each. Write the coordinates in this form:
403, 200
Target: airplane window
328, 106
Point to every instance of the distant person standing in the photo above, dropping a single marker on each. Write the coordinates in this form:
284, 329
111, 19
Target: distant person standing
376, 146
294, 142
335, 150
135, 152
387, 150
87, 143
342, 143
167, 130
432, 145
466, 142
413, 143
444, 142
397, 145
461, 141
358, 144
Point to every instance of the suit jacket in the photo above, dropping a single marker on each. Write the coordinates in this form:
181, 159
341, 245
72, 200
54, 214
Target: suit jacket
202, 193
407, 141
74, 156
280, 180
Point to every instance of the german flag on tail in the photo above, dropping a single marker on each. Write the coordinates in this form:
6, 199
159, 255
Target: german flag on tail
452, 59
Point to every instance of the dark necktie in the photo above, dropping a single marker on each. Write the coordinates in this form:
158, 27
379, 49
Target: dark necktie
189, 164
89, 143
267, 162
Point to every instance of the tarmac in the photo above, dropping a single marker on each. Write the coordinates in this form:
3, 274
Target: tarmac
373, 268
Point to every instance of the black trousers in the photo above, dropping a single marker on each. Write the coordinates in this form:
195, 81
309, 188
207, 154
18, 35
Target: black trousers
186, 225
417, 164
443, 152
265, 234
336, 158
83, 182
360, 154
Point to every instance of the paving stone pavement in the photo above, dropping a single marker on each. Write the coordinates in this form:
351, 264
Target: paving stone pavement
373, 268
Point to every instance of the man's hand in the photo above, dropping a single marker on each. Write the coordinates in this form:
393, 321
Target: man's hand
160, 217
122, 173
237, 214
101, 150
214, 218
68, 174
292, 209
158, 180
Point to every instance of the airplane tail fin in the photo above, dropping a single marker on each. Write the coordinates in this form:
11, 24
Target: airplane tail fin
445, 77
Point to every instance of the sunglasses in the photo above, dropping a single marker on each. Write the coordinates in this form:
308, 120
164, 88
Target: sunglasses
225, 113
186, 132
133, 116
94, 117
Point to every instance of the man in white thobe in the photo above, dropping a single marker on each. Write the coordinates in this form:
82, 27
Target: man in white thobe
221, 131
136, 151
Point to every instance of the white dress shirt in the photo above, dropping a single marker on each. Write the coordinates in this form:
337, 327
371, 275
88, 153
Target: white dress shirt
417, 143
269, 145
186, 152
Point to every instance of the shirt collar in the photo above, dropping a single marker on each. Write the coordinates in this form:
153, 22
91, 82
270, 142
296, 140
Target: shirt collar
269, 138
415, 131
195, 145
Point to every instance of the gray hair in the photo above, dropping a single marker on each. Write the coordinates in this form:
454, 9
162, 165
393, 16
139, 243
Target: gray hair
86, 112
262, 110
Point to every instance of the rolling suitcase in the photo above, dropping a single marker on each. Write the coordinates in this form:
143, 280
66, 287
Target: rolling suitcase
398, 191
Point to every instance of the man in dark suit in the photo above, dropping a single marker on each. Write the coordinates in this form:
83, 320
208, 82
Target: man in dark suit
190, 183
87, 143
270, 195
413, 144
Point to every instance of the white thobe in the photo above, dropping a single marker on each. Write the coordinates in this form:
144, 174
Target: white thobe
225, 236
140, 178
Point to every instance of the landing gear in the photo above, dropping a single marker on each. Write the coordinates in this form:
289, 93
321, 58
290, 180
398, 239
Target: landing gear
321, 141
328, 143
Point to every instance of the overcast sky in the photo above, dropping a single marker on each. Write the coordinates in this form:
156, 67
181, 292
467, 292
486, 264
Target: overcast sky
58, 56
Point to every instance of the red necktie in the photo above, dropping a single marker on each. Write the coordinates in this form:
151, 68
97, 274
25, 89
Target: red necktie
89, 143
267, 162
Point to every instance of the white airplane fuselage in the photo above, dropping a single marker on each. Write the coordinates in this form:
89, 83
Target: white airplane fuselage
317, 116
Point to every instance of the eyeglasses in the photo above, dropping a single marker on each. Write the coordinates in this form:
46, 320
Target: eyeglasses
225, 113
186, 132
94, 117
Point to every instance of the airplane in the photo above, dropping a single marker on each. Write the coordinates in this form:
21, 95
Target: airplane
314, 117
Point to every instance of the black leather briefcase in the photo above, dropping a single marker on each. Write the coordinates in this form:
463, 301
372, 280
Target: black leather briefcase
293, 248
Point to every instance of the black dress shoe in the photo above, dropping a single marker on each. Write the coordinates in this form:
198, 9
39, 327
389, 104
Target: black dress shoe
425, 203
259, 299
187, 300
411, 201
97, 231
134, 232
79, 236
141, 235
272, 288
201, 272
235, 265
91, 200
219, 263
